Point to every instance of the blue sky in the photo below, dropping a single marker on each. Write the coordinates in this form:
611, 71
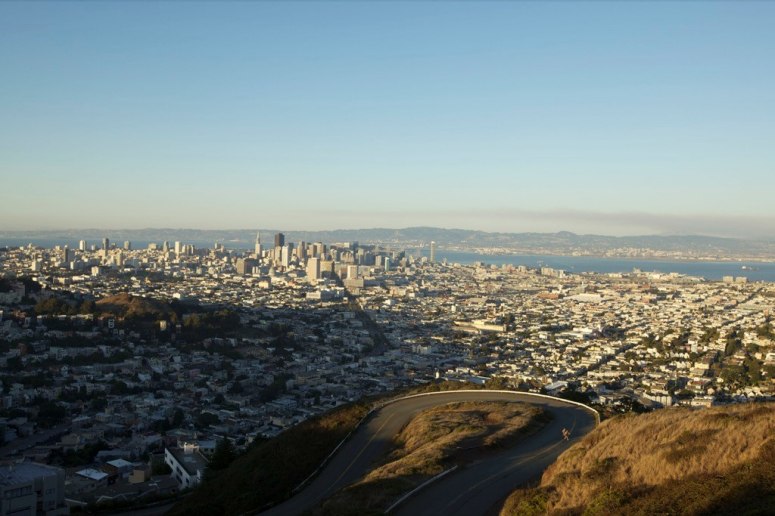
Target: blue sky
614, 118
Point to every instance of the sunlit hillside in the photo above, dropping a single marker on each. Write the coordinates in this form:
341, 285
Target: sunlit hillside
675, 461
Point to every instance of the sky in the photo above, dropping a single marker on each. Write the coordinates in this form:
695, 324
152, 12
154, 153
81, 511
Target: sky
611, 118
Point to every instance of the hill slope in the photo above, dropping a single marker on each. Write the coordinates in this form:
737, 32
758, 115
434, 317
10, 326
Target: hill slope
675, 461
436, 439
128, 305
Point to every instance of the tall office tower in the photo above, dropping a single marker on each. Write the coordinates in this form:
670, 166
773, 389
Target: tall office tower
352, 271
301, 251
285, 256
82, 245
128, 245
326, 268
178, 248
313, 269
245, 265
433, 252
106, 243
257, 249
68, 255
165, 246
387, 264
279, 240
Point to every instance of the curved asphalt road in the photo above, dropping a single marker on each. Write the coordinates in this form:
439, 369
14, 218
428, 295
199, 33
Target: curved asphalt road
471, 490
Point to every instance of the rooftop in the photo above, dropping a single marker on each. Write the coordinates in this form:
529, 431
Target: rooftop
25, 472
192, 462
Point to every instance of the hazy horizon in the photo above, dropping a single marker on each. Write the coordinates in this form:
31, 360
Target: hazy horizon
266, 230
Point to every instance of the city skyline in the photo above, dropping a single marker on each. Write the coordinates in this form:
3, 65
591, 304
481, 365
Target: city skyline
593, 118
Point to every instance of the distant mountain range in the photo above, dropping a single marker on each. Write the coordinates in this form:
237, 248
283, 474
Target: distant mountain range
562, 243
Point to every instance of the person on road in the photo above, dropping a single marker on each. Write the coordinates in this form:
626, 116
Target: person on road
565, 434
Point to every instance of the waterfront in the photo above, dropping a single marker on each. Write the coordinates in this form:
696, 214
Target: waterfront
711, 270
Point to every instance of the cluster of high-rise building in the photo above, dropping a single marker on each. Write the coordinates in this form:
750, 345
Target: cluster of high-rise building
329, 323
318, 259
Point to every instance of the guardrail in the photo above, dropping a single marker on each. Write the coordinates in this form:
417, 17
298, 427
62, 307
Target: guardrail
594, 412
328, 457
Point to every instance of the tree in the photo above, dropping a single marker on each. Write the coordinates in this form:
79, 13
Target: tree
5, 285
14, 364
236, 388
754, 372
574, 395
206, 419
87, 307
50, 413
160, 468
177, 418
497, 382
53, 306
119, 388
223, 455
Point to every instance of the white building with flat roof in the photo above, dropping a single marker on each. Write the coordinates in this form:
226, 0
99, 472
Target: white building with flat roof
187, 464
32, 489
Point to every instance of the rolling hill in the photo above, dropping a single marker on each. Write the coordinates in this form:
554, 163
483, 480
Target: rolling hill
675, 461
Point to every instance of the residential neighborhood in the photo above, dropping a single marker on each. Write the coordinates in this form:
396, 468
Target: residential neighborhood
127, 368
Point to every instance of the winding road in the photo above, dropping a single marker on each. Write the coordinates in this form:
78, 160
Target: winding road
470, 490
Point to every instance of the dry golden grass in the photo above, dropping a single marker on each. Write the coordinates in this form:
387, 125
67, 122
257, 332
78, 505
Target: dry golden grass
436, 436
432, 442
127, 304
634, 464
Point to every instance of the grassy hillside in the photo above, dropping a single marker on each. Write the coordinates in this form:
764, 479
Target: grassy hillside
674, 461
433, 441
268, 472
133, 306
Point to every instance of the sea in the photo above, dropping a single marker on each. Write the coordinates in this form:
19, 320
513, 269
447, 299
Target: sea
710, 270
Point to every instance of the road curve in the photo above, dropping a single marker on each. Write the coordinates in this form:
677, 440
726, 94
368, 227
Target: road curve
471, 490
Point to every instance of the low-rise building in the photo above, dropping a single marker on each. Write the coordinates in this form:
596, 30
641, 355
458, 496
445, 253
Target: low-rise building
32, 489
187, 464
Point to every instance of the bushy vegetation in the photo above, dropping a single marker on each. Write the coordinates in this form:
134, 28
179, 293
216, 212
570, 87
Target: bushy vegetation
82, 457
269, 471
674, 461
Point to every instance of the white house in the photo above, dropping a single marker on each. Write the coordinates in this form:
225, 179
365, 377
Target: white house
187, 464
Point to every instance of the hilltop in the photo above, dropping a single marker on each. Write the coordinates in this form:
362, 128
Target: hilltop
434, 440
674, 461
133, 306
